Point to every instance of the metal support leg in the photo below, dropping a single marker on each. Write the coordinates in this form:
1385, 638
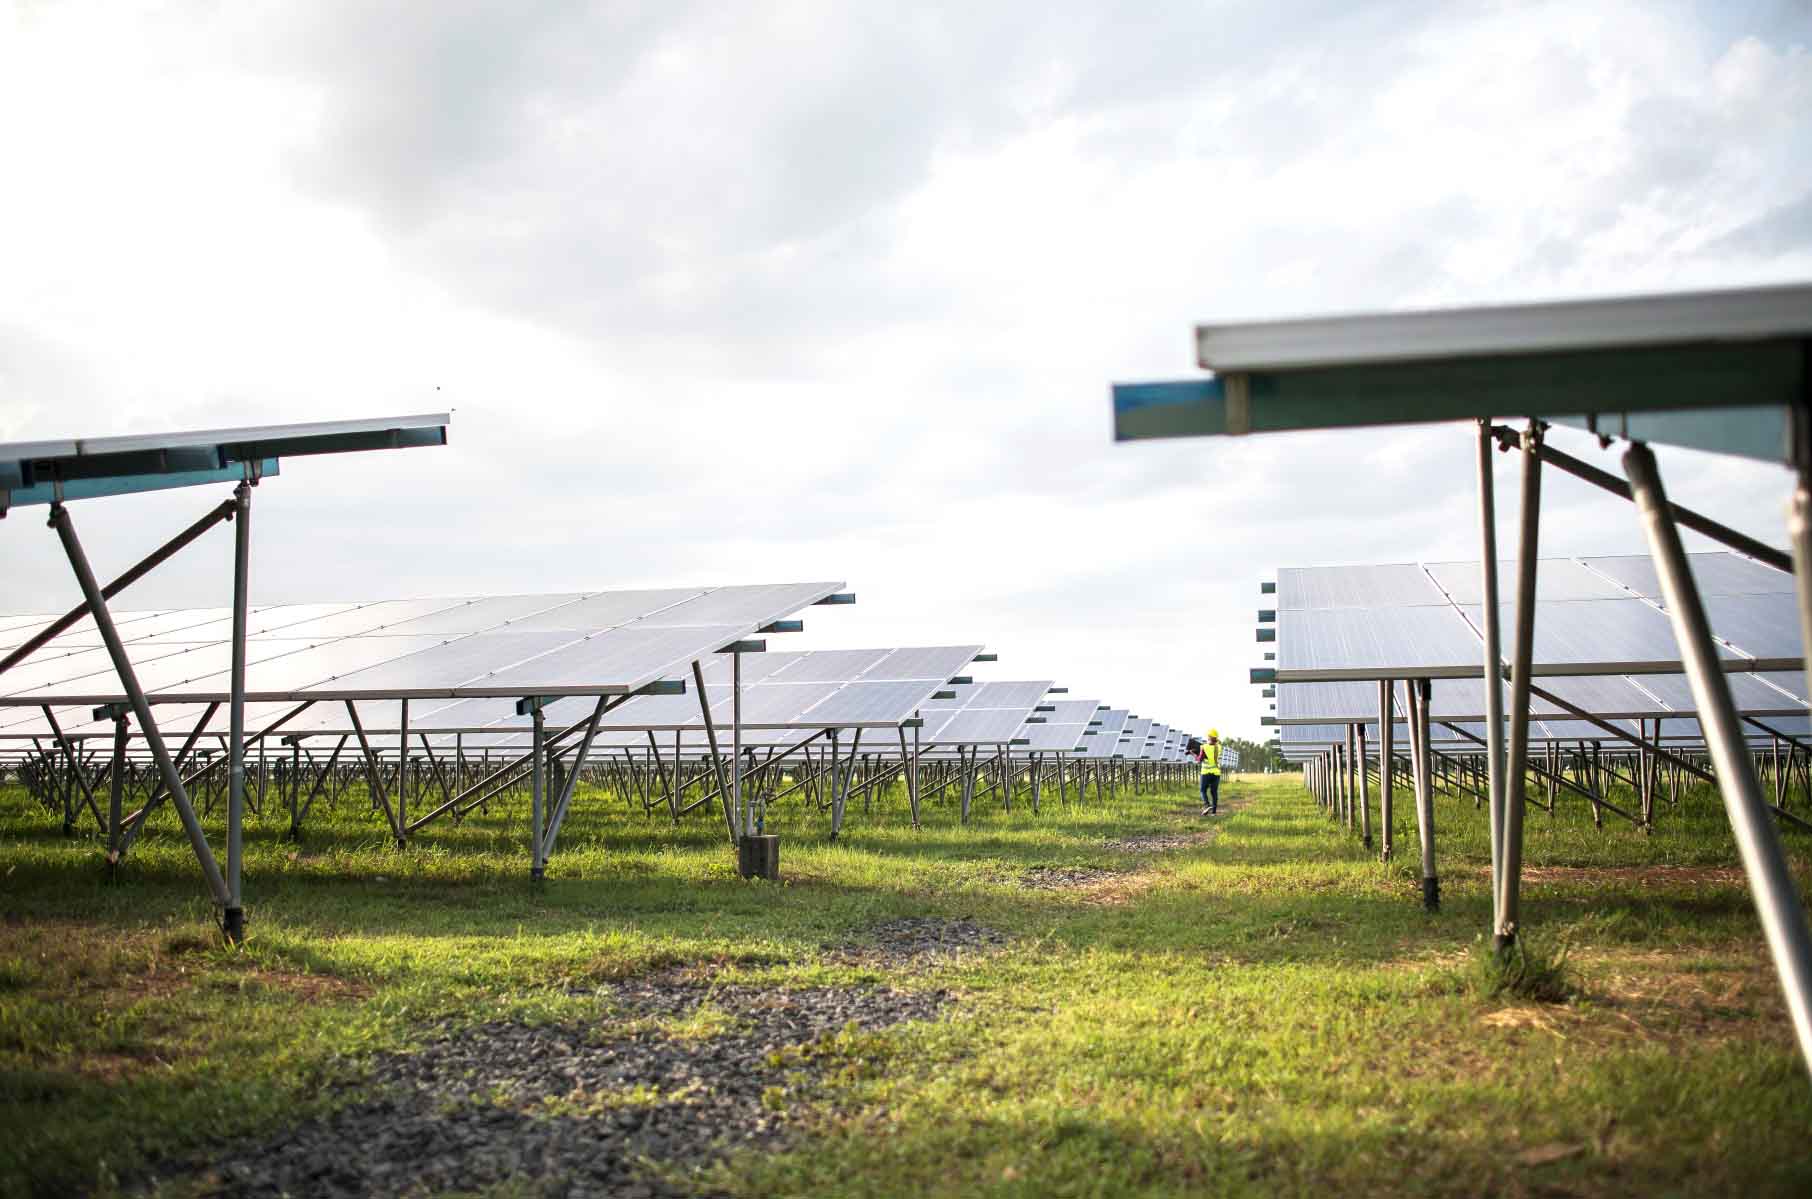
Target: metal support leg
717, 763
912, 776
116, 793
402, 769
141, 707
1508, 880
1365, 802
1419, 724
1494, 658
1777, 901
1385, 734
1799, 536
537, 871
234, 915
742, 823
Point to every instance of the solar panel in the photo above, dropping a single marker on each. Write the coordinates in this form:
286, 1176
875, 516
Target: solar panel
1106, 740
863, 701
609, 609
1717, 573
831, 665
1593, 636
377, 650
993, 726
1588, 624
982, 713
1398, 585
1064, 726
1762, 626
1555, 579
485, 612
1370, 642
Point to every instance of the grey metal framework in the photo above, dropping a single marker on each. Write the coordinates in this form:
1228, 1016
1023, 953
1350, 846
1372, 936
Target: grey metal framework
798, 721
464, 663
441, 706
57, 472
1727, 371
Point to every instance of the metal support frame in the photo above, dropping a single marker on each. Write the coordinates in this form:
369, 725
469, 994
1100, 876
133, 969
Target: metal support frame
139, 570
374, 774
1697, 522
135, 695
570, 784
723, 790
1777, 900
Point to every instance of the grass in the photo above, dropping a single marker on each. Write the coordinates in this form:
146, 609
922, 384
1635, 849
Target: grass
1265, 1011
1522, 970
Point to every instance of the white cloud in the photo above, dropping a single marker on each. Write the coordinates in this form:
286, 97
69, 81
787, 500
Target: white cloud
814, 291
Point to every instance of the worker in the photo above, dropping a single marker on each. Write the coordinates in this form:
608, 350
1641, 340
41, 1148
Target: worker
1211, 773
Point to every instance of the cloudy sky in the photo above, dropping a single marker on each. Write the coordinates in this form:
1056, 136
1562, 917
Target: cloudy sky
743, 292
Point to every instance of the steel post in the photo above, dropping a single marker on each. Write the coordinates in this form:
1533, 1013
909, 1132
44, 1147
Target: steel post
1494, 659
742, 825
402, 769
1419, 703
1386, 734
116, 792
234, 915
1799, 536
1777, 901
912, 777
1508, 878
537, 871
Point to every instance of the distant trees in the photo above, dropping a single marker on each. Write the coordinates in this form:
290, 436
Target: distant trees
1256, 756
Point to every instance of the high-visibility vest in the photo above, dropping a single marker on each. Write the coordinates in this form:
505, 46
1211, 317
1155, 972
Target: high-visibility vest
1211, 757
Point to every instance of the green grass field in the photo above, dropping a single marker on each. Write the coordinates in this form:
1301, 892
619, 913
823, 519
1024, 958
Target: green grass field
1263, 1009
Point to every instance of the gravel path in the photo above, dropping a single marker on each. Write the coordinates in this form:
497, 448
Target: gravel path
1060, 878
563, 1110
920, 941
1157, 842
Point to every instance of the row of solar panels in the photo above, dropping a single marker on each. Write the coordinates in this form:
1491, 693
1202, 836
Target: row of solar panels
461, 665
1603, 646
1594, 616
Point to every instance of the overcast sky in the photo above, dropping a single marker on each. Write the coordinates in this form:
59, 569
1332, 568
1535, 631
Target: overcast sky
746, 293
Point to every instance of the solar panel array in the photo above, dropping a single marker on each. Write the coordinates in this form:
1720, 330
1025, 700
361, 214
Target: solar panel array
462, 663
1603, 646
598, 643
1594, 616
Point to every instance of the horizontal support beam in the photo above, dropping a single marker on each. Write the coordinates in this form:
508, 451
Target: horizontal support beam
1731, 396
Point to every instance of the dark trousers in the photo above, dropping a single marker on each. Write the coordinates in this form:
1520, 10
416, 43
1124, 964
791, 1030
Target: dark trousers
1211, 792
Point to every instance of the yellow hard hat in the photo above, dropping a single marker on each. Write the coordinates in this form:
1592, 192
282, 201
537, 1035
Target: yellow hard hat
1215, 733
